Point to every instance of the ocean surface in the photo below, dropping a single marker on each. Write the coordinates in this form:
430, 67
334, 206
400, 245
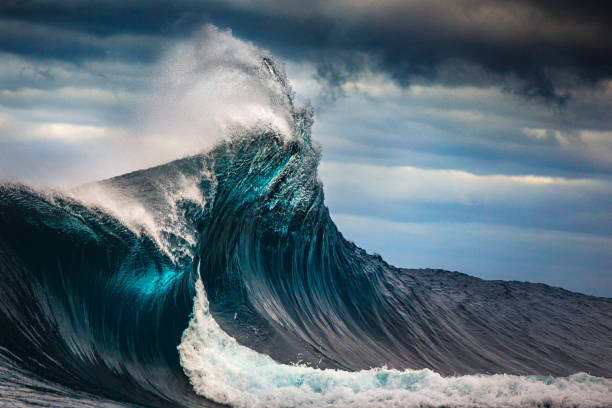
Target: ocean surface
220, 279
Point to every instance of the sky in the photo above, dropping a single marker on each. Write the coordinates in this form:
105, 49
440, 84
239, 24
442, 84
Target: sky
473, 135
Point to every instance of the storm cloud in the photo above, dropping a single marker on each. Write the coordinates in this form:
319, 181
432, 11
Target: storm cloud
539, 49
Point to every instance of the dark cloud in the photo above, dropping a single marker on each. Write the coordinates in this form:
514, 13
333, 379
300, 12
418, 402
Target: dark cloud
535, 49
540, 49
42, 42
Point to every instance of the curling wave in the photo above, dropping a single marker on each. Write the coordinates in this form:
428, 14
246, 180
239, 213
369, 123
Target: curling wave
221, 279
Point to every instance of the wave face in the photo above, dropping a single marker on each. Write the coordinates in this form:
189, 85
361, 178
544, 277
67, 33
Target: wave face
221, 279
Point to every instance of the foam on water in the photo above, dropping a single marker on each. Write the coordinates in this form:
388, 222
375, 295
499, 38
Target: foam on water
224, 371
159, 220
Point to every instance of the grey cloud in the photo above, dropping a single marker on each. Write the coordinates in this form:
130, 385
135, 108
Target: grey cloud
539, 49
21, 72
480, 129
42, 42
535, 49
573, 261
401, 194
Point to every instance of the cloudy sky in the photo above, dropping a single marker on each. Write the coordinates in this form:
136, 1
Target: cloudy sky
473, 135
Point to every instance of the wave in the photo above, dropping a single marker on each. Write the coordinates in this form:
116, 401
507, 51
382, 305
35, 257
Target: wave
221, 279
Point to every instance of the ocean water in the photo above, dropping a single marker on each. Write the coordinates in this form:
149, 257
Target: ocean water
220, 278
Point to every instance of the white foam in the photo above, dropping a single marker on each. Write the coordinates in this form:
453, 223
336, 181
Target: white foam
209, 88
226, 372
159, 224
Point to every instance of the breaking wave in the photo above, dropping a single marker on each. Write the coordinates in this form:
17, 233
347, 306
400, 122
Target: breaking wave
220, 278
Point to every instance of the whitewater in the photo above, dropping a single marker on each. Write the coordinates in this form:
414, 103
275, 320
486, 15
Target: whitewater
227, 372
220, 279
